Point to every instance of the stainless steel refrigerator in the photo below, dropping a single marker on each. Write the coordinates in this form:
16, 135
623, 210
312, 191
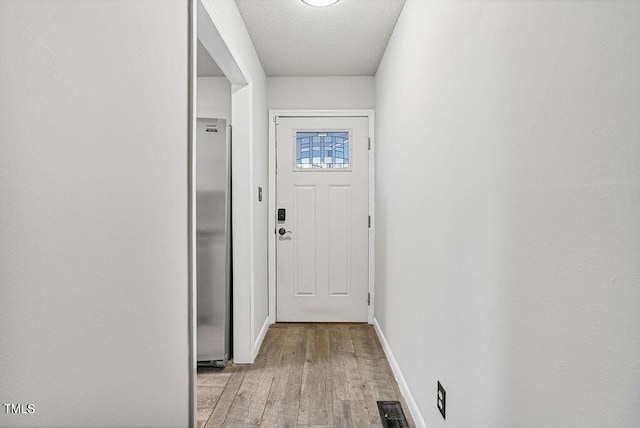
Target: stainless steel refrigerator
213, 241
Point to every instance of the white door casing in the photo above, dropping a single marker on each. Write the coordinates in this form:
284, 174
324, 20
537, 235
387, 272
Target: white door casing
322, 267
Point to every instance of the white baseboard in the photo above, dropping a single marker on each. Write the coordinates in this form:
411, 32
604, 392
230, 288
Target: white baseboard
260, 338
404, 388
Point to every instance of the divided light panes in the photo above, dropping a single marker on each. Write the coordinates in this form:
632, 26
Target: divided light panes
322, 150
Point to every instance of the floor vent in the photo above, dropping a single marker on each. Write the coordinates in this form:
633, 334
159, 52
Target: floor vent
392, 415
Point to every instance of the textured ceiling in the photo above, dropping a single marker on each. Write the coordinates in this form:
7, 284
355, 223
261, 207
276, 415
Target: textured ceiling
345, 39
206, 66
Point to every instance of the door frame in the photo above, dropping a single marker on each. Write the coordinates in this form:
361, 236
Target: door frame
272, 252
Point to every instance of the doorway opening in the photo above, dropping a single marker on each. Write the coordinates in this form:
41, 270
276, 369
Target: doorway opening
212, 212
221, 94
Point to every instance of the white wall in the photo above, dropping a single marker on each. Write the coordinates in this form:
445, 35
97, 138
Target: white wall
250, 167
214, 98
508, 210
321, 93
93, 218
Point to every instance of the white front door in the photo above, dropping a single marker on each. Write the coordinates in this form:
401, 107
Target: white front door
323, 241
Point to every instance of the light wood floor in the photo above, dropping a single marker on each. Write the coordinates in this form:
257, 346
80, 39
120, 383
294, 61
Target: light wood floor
322, 375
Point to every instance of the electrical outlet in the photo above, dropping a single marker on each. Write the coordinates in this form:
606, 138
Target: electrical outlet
442, 400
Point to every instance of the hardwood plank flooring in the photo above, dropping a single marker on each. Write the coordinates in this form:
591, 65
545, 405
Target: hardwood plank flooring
315, 394
306, 375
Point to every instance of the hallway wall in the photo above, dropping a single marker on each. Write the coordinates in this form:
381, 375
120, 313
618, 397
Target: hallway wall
214, 98
93, 213
508, 210
324, 93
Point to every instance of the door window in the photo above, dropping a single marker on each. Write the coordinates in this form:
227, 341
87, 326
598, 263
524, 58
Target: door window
322, 150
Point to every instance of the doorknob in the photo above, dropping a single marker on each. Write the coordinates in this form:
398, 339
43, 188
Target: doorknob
282, 231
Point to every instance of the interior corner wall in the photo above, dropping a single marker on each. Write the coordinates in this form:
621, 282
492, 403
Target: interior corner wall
508, 210
261, 216
94, 274
321, 93
250, 171
214, 98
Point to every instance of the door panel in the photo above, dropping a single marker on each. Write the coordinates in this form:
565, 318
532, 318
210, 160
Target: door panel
304, 254
339, 238
322, 256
